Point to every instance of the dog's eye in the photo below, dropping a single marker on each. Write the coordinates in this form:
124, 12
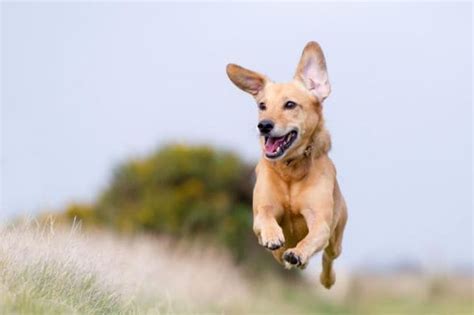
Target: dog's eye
289, 105
262, 106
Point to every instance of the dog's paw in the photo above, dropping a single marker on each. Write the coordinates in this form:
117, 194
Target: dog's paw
272, 239
292, 259
327, 280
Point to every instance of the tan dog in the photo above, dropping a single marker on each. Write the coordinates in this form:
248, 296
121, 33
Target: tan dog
298, 207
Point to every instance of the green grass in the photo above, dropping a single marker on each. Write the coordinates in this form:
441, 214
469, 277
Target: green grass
51, 287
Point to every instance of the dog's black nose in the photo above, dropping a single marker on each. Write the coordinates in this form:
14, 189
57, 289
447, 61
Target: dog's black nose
265, 126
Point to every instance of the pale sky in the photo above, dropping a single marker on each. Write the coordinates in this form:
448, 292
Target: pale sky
86, 86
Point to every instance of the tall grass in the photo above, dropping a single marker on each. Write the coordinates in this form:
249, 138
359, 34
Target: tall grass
44, 270
48, 270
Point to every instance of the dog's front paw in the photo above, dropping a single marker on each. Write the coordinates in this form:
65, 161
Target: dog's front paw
292, 258
272, 238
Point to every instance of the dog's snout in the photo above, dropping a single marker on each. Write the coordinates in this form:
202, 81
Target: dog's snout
265, 126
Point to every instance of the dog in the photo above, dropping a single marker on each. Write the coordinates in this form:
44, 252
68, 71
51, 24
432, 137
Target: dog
298, 207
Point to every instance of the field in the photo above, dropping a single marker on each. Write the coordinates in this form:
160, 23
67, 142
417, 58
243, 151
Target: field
48, 270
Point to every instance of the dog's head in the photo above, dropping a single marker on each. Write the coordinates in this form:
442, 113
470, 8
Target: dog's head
289, 113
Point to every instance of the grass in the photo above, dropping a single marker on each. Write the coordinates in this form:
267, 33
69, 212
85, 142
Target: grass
44, 270
37, 280
41, 289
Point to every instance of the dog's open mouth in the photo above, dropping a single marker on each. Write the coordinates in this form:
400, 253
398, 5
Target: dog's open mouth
276, 146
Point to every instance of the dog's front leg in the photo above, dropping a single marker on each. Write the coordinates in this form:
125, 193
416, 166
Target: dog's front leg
318, 220
316, 240
265, 226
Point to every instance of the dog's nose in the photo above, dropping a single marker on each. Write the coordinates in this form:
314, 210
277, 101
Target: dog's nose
265, 126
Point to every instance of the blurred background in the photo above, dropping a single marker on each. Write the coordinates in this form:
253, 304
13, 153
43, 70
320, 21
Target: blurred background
119, 117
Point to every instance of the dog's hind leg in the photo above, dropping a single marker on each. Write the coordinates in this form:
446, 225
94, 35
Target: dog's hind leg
277, 254
331, 252
328, 276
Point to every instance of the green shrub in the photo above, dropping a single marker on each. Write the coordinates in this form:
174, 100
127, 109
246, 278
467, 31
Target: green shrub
182, 191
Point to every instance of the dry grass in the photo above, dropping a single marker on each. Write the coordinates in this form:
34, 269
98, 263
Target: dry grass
44, 270
73, 272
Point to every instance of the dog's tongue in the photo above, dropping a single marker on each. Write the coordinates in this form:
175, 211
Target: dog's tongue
272, 144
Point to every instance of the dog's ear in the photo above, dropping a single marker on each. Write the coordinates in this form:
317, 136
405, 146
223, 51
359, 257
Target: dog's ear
312, 71
247, 80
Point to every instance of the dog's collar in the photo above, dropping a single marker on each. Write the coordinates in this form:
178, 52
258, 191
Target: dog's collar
308, 150
306, 153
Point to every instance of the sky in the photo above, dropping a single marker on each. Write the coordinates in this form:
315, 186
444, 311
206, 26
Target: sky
86, 86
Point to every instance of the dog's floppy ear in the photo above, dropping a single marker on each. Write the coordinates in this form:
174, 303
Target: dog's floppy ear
312, 71
247, 80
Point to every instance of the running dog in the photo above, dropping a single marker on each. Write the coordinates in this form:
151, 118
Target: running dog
298, 207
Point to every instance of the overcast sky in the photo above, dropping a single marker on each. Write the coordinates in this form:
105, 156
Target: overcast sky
86, 86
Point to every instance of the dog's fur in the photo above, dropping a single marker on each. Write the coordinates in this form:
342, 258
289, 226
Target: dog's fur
298, 207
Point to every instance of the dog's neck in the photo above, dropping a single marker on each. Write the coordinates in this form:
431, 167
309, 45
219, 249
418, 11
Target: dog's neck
298, 167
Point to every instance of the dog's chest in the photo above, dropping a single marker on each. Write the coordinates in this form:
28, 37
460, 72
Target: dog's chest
288, 205
290, 200
293, 223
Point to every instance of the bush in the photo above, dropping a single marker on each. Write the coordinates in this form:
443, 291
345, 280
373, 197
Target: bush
182, 191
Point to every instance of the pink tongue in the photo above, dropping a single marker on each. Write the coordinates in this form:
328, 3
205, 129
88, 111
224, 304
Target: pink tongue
272, 144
